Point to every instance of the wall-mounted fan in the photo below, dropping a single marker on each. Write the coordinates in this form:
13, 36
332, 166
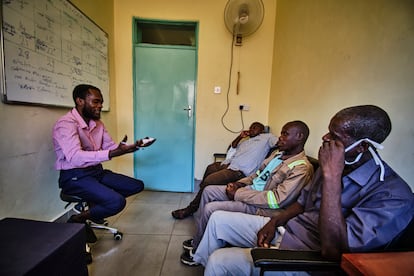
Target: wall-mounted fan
243, 17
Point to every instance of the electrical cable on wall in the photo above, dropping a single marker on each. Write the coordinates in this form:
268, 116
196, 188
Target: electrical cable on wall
242, 18
228, 92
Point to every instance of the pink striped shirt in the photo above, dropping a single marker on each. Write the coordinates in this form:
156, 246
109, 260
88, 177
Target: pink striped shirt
78, 145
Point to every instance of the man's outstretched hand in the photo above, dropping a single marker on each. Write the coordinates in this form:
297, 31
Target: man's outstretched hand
124, 147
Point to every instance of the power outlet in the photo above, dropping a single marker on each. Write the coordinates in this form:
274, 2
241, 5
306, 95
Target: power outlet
244, 107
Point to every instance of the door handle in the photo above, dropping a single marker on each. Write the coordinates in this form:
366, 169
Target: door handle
189, 111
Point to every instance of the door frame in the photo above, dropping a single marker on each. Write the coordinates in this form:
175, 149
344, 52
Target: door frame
136, 42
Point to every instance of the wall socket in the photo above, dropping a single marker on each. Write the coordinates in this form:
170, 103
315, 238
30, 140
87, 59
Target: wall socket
244, 107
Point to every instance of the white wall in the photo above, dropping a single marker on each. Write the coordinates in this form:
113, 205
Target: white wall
28, 181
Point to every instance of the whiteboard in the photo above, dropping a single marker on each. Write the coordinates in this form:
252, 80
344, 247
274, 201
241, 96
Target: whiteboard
49, 47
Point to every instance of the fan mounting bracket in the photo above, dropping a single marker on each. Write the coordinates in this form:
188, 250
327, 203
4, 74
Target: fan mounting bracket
238, 41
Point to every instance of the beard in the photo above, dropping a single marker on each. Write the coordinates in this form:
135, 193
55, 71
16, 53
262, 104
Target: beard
91, 114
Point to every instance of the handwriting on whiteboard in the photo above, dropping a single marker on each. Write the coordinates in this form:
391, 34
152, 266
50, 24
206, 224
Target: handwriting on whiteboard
50, 47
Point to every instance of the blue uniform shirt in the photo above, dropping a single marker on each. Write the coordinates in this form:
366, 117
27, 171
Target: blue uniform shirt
251, 153
375, 211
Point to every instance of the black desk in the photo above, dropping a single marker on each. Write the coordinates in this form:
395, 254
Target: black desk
29, 247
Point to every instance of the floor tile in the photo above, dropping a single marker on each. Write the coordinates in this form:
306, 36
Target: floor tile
172, 264
159, 197
184, 227
144, 218
152, 238
133, 255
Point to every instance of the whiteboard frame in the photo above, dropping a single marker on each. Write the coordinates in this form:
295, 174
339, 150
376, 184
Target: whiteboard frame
3, 73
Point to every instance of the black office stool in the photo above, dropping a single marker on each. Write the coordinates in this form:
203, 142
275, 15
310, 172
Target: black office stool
75, 199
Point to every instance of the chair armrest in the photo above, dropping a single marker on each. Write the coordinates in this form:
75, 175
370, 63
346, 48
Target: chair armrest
291, 260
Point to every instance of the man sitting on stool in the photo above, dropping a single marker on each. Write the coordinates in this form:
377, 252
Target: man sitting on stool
81, 143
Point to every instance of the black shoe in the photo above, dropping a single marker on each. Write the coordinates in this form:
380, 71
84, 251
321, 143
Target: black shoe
82, 206
187, 258
181, 213
90, 235
188, 244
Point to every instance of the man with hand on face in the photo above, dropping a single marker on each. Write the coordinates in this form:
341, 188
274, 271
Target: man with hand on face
249, 154
276, 184
81, 144
355, 203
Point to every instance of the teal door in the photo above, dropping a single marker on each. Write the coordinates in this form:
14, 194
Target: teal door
164, 96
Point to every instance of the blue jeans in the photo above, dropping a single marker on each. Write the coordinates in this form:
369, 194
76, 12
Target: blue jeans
105, 189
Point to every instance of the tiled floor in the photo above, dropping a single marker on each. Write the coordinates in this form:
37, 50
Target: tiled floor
152, 239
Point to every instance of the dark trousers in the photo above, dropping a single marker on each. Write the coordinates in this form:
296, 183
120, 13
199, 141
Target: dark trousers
105, 189
215, 174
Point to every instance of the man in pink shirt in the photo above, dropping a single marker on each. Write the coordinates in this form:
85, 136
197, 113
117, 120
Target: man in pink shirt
82, 143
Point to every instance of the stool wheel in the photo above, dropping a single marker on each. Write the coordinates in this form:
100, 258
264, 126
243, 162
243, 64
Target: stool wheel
118, 236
